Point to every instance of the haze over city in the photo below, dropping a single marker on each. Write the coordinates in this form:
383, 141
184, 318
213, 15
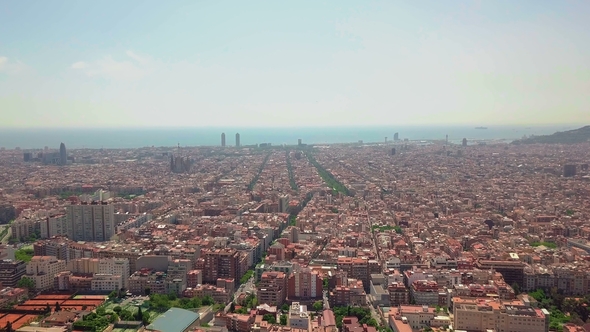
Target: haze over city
294, 166
304, 63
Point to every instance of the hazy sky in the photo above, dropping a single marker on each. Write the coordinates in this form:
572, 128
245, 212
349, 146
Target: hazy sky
292, 63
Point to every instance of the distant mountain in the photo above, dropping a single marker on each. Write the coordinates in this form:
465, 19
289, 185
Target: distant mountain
561, 137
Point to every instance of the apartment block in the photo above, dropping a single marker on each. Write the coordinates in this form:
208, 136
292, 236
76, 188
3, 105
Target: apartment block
115, 266
305, 284
42, 270
106, 283
398, 294
221, 263
272, 289
357, 268
501, 316
90, 222
298, 317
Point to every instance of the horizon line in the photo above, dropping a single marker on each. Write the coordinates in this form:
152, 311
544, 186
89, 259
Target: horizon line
475, 125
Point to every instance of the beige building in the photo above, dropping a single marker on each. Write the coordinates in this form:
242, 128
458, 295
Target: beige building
84, 265
42, 269
501, 316
115, 266
106, 282
298, 317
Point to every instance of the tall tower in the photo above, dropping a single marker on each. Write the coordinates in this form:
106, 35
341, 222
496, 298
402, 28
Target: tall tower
237, 140
396, 137
63, 155
223, 139
465, 142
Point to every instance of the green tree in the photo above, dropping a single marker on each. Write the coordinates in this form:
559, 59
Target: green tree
516, 288
113, 318
24, 254
318, 305
270, 318
27, 283
232, 307
283, 320
207, 300
147, 291
57, 307
146, 320
127, 315
112, 294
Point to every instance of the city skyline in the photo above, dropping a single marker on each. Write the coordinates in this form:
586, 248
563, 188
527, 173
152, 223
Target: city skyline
276, 65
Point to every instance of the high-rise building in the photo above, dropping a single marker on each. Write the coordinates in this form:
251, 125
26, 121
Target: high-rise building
221, 263
464, 142
393, 151
223, 139
63, 155
569, 170
396, 137
272, 289
237, 140
299, 142
305, 284
27, 156
357, 268
90, 222
54, 226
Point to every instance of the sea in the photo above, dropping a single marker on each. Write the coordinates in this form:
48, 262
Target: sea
119, 138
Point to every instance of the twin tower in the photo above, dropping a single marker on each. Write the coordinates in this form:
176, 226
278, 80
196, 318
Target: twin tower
223, 139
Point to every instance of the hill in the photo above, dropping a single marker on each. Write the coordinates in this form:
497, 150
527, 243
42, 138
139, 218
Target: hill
561, 137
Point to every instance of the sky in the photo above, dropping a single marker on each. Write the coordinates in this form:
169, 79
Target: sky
293, 63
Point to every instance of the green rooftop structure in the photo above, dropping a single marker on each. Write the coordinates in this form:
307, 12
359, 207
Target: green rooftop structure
175, 320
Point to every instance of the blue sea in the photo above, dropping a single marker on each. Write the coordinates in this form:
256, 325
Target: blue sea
209, 136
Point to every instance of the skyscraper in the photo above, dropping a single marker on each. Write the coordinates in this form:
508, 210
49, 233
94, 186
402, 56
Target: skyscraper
63, 155
237, 140
223, 139
569, 170
465, 142
396, 137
